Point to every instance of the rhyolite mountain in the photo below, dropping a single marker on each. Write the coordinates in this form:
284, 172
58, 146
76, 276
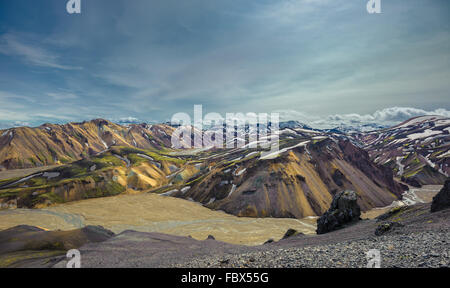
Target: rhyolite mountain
416, 150
26, 147
100, 158
299, 180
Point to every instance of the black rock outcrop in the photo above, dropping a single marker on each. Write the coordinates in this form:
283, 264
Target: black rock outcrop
344, 209
442, 199
291, 232
386, 227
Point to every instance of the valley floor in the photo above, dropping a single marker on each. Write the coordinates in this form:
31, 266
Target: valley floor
155, 213
424, 241
162, 225
413, 196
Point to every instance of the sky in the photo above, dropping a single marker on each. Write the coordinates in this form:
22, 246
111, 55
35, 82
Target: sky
145, 60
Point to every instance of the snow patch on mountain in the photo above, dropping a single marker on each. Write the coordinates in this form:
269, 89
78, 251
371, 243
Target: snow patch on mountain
425, 134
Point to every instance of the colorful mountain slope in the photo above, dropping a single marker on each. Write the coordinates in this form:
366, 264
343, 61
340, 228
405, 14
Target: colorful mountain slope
298, 182
416, 150
49, 144
110, 173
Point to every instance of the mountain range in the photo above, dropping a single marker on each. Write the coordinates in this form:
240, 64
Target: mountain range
99, 158
416, 150
50, 144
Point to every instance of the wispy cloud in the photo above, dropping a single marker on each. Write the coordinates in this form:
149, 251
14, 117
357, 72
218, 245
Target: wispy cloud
32, 54
151, 59
6, 125
10, 98
62, 95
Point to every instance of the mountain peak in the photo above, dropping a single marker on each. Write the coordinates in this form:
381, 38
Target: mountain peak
100, 122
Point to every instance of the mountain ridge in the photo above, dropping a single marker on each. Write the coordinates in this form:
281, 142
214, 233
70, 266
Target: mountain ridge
297, 181
48, 144
417, 150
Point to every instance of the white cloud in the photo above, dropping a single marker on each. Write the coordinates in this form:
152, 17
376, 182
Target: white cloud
34, 55
8, 98
129, 120
9, 124
162, 57
389, 115
384, 117
9, 115
62, 96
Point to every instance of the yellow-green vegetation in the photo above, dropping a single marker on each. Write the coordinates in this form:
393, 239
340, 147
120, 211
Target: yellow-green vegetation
55, 144
196, 180
155, 154
97, 176
395, 214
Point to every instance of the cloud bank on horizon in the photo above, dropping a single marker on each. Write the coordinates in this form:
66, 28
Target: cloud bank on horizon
144, 60
384, 118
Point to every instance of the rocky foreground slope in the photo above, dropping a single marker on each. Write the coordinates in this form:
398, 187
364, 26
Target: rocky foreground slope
422, 240
405, 236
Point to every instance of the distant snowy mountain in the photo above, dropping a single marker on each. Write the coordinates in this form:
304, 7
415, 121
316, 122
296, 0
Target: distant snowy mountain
351, 129
417, 149
334, 127
294, 124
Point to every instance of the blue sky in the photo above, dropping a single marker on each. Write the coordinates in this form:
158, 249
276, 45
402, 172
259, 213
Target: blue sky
149, 59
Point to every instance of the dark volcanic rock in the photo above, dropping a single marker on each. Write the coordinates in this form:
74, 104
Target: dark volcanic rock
391, 213
210, 237
413, 182
290, 233
268, 241
97, 233
442, 199
338, 177
344, 209
386, 227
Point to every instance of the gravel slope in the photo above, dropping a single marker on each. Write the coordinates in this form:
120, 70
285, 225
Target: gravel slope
423, 241
426, 249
